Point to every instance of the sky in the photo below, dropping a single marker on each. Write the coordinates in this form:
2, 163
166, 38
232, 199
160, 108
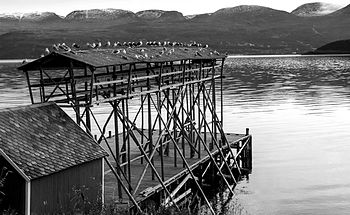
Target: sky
187, 7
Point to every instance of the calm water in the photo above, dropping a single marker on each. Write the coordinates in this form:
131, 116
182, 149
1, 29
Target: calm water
298, 110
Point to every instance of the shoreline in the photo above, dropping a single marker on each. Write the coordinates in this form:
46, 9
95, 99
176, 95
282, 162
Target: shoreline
288, 55
10, 61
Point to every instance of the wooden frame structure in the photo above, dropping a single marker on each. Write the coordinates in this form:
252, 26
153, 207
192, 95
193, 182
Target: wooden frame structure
176, 95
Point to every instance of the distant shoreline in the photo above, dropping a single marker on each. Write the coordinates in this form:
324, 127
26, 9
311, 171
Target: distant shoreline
4, 61
288, 55
12, 61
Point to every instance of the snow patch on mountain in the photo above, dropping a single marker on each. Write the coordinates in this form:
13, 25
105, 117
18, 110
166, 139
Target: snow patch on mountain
315, 9
102, 14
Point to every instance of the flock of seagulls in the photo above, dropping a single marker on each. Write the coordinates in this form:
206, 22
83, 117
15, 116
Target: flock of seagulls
121, 47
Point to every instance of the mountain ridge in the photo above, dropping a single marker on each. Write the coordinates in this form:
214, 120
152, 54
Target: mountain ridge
243, 29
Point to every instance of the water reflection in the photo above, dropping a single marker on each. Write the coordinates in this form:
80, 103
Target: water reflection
297, 110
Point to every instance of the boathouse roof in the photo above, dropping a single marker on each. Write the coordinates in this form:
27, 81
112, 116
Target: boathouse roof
119, 56
39, 140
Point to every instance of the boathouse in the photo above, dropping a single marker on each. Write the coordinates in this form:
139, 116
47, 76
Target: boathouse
48, 163
157, 111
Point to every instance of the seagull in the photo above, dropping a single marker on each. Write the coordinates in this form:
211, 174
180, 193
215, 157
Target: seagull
64, 47
205, 46
108, 44
54, 47
90, 45
47, 51
139, 43
124, 51
116, 51
99, 44
74, 45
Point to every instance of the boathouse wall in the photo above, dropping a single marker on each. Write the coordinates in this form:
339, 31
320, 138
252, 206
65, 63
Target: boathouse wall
12, 189
68, 190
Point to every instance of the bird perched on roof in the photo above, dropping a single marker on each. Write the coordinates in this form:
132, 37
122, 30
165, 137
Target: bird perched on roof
55, 47
64, 47
47, 51
90, 45
99, 44
108, 44
205, 46
139, 43
76, 46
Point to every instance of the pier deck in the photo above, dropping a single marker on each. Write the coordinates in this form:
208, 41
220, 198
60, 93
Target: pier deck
172, 172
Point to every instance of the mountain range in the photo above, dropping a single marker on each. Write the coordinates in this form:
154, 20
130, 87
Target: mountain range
245, 29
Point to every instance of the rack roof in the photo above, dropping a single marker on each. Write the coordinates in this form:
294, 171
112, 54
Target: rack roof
120, 56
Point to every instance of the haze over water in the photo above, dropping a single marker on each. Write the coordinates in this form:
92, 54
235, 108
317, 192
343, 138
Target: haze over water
297, 109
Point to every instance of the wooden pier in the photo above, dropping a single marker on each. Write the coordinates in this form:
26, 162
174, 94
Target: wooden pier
173, 139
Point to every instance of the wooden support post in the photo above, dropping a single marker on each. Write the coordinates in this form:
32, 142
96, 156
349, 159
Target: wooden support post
142, 125
116, 132
198, 109
160, 125
183, 114
150, 130
87, 101
174, 126
222, 98
74, 95
127, 116
29, 87
42, 88
214, 103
